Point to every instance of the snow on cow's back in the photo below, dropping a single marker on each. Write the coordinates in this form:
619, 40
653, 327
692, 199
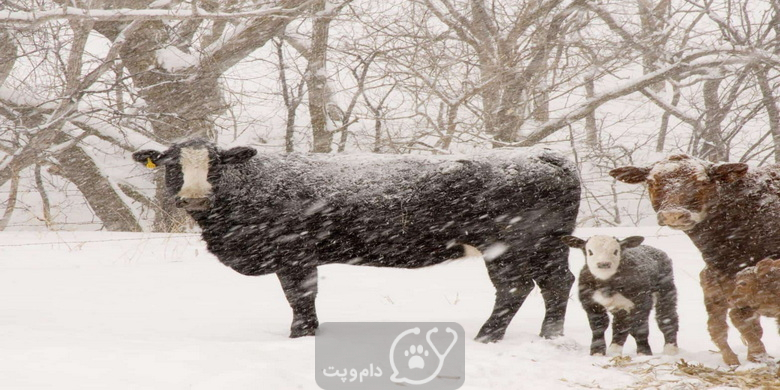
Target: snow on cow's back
378, 177
767, 187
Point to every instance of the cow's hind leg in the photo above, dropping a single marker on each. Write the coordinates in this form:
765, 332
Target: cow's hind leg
555, 281
300, 288
512, 287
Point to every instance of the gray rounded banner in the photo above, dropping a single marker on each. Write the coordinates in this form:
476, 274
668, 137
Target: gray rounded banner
390, 355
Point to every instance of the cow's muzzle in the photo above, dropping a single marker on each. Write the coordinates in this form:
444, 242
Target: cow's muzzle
604, 265
193, 204
679, 219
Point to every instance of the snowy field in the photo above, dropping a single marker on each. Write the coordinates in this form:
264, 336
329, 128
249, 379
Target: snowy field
156, 311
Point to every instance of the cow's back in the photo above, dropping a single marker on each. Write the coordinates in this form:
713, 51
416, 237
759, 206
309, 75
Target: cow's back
743, 226
388, 210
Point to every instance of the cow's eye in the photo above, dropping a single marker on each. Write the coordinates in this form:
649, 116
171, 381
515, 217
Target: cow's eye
615, 253
590, 252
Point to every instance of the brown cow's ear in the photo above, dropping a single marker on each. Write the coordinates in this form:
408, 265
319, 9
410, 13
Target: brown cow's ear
728, 172
631, 242
630, 175
573, 242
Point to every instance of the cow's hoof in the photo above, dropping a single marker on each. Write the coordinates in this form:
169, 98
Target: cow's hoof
553, 332
671, 349
730, 358
760, 358
615, 350
295, 333
551, 336
489, 338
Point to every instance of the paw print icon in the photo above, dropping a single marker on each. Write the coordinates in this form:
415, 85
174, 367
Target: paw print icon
420, 366
415, 356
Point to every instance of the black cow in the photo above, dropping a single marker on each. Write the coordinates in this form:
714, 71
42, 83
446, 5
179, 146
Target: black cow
288, 214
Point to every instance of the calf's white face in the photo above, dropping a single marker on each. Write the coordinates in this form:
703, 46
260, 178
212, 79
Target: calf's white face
602, 256
195, 169
602, 253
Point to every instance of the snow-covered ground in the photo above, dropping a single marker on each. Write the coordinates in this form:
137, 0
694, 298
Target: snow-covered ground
83, 310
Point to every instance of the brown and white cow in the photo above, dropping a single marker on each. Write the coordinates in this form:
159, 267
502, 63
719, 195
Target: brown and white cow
732, 215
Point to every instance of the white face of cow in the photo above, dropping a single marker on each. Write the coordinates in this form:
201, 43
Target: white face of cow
682, 189
678, 190
602, 253
188, 167
602, 256
195, 169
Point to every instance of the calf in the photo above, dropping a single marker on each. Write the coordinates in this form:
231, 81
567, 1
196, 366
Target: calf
732, 214
758, 287
626, 279
288, 214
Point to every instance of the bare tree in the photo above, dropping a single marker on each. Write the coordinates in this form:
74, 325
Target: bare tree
174, 69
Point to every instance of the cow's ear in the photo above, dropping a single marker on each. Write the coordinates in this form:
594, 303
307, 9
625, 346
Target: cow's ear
631, 242
237, 155
573, 242
728, 172
630, 175
150, 158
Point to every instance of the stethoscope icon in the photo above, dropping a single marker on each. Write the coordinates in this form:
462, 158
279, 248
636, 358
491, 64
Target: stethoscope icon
441, 356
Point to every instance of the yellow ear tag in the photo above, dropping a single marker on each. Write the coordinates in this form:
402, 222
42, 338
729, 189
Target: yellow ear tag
150, 164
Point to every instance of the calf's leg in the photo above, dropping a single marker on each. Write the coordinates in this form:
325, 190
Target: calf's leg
666, 314
300, 288
599, 321
746, 320
717, 308
621, 327
640, 331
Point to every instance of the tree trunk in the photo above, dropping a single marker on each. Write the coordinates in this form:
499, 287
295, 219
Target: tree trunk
76, 166
317, 80
653, 21
8, 54
663, 130
773, 117
712, 147
591, 131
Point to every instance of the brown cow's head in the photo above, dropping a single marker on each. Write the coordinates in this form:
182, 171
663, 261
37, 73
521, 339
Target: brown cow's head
758, 287
681, 187
191, 169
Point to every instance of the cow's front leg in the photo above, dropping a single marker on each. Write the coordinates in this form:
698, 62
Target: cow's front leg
639, 324
621, 327
300, 288
599, 321
715, 294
